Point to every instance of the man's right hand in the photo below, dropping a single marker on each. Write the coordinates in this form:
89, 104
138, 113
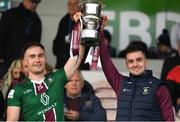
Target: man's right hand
77, 16
72, 115
104, 22
178, 101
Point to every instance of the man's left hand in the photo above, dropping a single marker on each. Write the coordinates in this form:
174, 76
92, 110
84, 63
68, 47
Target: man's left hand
72, 115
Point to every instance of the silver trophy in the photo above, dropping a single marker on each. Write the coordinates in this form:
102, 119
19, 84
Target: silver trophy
91, 10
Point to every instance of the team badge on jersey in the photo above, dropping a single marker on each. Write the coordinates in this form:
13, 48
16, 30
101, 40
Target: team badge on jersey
11, 93
50, 80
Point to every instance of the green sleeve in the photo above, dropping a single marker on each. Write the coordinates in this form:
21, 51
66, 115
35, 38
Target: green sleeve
61, 76
14, 97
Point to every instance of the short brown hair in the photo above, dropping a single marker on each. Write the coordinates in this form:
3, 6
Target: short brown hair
29, 45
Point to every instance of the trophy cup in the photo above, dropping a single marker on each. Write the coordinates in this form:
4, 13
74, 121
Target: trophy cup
91, 10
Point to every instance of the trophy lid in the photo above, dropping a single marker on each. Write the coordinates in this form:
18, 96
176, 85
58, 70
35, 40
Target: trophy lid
83, 2
92, 1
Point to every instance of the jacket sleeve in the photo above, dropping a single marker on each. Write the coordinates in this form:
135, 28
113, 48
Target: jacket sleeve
164, 99
2, 106
113, 76
4, 31
171, 85
37, 30
98, 113
165, 69
59, 40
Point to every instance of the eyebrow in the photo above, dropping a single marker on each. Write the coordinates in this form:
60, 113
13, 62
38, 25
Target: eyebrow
40, 54
139, 58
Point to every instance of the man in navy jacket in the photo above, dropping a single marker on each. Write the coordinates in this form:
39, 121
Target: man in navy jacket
81, 104
141, 96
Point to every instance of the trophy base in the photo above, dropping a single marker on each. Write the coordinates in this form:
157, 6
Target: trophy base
88, 41
89, 37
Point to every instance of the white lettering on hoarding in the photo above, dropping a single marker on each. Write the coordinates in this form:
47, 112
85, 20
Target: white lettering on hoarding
161, 23
126, 29
140, 30
111, 17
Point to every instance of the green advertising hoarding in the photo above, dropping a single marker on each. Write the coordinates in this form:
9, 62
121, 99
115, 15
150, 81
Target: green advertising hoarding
4, 5
140, 19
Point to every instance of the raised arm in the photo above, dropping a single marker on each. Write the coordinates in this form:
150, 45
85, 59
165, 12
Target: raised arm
110, 71
13, 113
73, 63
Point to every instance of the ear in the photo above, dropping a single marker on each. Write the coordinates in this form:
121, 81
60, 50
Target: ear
126, 63
65, 86
24, 61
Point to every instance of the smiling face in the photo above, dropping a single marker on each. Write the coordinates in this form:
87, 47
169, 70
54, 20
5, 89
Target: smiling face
35, 59
74, 86
136, 62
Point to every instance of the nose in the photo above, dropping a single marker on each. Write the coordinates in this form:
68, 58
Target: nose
33, 7
135, 63
37, 59
73, 82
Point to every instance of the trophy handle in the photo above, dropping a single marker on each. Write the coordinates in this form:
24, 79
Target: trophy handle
81, 22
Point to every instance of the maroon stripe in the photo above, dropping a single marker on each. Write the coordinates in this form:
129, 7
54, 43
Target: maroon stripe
75, 40
95, 57
49, 115
40, 88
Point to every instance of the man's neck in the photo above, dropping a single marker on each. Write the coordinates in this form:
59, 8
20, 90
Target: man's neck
36, 77
73, 96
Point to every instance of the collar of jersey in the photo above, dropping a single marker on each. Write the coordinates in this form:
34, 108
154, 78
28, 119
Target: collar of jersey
38, 82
